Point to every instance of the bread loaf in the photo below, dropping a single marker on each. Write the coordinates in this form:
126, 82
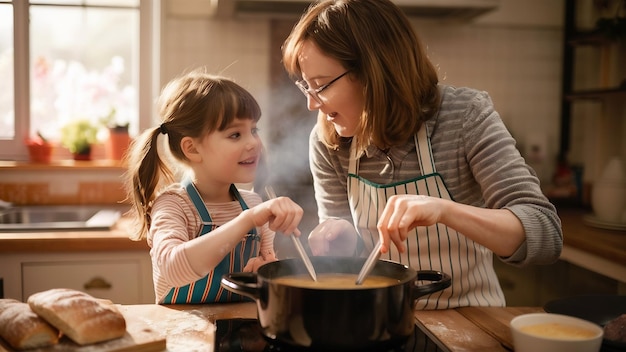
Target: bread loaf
22, 328
615, 329
81, 317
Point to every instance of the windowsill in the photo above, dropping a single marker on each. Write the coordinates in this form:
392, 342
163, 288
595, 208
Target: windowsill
68, 165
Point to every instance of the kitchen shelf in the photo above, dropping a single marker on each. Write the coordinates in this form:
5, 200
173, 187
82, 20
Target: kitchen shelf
590, 52
592, 38
596, 93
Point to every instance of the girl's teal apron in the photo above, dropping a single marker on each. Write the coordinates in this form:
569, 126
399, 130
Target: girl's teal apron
208, 289
436, 247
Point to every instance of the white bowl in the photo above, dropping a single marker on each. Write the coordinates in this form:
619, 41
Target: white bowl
546, 339
608, 200
613, 171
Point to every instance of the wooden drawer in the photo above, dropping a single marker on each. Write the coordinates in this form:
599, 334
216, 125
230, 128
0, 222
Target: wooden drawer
116, 280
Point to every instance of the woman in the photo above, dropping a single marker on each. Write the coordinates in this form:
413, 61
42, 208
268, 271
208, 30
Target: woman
429, 167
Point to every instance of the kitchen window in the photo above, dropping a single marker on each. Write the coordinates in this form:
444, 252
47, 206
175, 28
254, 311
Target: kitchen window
62, 60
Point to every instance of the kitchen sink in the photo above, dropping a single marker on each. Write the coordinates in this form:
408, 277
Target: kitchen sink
59, 218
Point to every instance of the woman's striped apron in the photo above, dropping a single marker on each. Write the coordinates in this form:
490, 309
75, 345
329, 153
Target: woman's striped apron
436, 247
208, 289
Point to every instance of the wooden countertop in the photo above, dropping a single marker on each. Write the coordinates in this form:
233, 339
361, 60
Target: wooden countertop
468, 329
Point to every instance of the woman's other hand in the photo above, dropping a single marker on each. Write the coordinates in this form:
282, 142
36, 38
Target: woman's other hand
402, 214
333, 237
281, 214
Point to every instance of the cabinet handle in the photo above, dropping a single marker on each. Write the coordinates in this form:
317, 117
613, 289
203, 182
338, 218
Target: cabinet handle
97, 283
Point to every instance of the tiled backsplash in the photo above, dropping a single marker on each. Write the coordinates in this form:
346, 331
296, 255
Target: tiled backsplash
53, 186
43, 193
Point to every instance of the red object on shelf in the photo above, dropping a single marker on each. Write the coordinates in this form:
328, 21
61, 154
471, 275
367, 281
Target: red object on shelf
117, 144
40, 153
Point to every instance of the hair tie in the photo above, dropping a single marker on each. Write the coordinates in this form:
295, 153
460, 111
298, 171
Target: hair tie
163, 129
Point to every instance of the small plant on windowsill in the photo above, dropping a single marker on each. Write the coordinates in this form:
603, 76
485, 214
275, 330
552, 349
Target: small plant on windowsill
78, 136
111, 122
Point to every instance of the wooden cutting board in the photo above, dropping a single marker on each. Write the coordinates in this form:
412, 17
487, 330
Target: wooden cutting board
471, 328
496, 322
150, 327
140, 337
451, 331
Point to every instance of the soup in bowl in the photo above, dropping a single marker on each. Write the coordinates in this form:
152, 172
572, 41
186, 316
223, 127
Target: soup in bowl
548, 332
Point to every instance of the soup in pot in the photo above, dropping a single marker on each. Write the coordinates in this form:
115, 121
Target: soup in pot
335, 281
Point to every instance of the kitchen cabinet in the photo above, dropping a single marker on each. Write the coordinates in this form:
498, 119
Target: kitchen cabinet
537, 285
593, 109
593, 261
120, 276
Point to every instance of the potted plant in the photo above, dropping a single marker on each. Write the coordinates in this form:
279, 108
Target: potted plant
39, 149
119, 138
78, 136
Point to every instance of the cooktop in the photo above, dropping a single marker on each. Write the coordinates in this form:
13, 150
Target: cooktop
245, 335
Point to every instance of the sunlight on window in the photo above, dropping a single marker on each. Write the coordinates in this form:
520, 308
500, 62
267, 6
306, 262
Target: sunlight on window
7, 108
73, 92
83, 65
84, 59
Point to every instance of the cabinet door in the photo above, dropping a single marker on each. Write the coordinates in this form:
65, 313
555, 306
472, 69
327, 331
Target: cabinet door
118, 281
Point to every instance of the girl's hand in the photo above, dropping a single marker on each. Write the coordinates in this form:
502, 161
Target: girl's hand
282, 215
334, 237
255, 263
405, 212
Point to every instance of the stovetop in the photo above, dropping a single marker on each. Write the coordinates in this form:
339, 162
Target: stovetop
245, 335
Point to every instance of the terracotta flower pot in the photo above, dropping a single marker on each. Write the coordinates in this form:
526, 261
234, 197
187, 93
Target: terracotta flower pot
118, 143
40, 153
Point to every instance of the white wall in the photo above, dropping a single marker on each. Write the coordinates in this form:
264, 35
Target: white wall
236, 49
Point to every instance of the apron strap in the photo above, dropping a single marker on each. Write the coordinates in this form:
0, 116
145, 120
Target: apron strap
198, 202
207, 222
353, 163
424, 152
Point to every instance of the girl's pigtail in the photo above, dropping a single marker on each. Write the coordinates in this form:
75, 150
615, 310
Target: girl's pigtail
146, 171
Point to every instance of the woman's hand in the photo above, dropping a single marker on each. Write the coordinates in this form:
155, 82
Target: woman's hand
405, 212
334, 237
281, 214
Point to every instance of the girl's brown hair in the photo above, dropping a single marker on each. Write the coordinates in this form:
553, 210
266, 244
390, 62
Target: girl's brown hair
375, 41
192, 105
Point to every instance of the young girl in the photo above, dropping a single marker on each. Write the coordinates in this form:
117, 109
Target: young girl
204, 227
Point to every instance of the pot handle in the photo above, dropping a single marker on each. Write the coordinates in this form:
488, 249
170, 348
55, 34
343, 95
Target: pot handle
243, 283
440, 281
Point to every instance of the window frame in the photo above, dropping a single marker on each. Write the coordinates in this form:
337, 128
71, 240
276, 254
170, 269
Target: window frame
149, 72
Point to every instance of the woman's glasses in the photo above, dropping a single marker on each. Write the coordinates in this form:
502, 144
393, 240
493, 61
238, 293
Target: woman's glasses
314, 93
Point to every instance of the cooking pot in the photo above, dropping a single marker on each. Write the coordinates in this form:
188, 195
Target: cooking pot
336, 319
